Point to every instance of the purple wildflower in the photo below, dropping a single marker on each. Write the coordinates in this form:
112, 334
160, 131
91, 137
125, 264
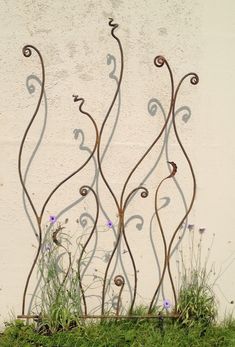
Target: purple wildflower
109, 224
47, 247
52, 219
166, 304
201, 230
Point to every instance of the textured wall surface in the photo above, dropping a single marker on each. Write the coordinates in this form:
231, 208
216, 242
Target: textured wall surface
74, 39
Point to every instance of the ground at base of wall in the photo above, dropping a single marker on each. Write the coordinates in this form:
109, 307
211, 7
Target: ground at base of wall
123, 333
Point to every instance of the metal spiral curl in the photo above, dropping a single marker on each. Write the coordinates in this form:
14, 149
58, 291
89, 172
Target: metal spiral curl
113, 25
27, 52
159, 61
194, 79
83, 190
144, 194
119, 280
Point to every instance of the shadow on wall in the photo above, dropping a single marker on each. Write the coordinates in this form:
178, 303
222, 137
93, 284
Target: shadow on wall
76, 273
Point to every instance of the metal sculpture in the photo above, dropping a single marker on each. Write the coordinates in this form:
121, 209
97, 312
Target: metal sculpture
121, 204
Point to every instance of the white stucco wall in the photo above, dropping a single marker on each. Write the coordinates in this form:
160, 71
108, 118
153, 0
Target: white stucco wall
74, 39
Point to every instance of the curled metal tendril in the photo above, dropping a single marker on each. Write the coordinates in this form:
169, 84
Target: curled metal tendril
144, 194
114, 25
194, 79
76, 98
119, 280
159, 61
27, 52
83, 190
174, 169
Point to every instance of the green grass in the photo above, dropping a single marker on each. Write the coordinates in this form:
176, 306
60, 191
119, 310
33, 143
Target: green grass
123, 333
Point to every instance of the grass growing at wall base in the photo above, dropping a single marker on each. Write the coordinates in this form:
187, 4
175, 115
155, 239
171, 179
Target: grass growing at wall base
123, 333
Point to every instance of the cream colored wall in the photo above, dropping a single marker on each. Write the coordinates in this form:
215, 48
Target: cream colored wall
74, 39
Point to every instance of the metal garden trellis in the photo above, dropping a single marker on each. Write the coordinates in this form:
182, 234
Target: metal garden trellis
121, 205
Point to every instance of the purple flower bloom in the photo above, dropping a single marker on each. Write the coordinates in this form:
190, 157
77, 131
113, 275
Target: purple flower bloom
202, 230
52, 219
190, 227
47, 247
166, 304
109, 224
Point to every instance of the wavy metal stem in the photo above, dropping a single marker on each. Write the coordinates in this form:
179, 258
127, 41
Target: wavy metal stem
114, 26
172, 174
120, 229
144, 194
27, 52
84, 192
194, 80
